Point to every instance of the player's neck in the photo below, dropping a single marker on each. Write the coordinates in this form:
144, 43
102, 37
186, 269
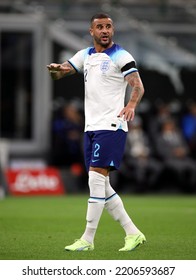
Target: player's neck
100, 48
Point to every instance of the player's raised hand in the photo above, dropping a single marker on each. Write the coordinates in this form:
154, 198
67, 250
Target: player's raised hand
58, 71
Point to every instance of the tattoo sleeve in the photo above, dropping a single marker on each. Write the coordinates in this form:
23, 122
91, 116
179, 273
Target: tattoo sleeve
69, 67
137, 92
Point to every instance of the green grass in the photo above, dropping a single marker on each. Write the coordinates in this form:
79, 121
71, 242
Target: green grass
38, 228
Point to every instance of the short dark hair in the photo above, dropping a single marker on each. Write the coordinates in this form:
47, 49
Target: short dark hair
100, 15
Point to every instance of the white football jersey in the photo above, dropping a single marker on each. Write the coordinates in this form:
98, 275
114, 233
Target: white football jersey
105, 85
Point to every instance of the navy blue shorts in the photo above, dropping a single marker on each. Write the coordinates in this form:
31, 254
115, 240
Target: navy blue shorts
104, 148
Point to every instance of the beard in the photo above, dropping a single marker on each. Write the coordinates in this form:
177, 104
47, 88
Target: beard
104, 41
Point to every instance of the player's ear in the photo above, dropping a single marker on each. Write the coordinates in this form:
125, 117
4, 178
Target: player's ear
91, 31
113, 30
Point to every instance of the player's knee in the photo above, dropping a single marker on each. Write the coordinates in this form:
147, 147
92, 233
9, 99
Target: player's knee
96, 183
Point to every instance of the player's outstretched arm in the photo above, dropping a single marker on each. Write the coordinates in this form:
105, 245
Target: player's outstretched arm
58, 71
137, 92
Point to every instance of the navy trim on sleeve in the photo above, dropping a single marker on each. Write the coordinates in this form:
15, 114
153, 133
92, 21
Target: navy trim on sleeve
130, 72
73, 66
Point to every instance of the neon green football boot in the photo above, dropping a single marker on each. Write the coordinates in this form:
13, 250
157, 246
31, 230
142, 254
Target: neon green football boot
133, 241
80, 245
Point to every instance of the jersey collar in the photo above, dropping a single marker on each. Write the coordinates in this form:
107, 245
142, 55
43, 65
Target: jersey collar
107, 51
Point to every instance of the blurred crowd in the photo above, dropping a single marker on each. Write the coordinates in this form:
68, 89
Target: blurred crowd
160, 153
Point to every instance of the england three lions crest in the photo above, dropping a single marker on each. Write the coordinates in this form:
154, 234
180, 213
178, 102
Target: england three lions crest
105, 66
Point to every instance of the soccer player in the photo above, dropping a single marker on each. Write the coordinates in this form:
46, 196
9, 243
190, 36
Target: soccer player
108, 69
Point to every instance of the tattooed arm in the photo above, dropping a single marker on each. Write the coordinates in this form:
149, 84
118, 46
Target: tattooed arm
137, 92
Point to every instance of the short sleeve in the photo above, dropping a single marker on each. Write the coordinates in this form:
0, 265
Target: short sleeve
77, 61
126, 62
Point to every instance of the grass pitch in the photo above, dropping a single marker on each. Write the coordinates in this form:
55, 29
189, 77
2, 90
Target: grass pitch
38, 228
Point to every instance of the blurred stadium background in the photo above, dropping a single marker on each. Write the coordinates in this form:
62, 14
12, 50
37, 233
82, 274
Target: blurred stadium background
41, 121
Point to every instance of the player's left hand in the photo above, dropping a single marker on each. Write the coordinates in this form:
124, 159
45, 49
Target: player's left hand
127, 113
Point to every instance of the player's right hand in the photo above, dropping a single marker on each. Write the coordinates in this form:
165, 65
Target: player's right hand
59, 71
54, 67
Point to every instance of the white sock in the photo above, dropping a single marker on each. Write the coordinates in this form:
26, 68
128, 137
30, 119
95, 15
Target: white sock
95, 204
115, 207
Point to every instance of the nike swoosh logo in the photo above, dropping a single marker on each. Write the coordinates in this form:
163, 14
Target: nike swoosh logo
81, 248
94, 160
